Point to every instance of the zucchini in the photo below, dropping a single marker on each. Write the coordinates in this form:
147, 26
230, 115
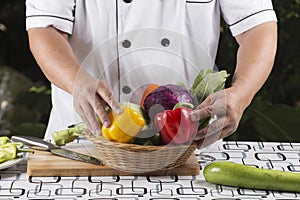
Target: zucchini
239, 175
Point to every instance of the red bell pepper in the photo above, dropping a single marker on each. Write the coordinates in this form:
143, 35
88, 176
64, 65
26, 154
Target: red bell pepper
176, 126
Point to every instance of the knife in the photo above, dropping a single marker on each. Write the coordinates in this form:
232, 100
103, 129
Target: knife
40, 144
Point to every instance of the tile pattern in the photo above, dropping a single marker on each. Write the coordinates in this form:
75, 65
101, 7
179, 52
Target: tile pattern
15, 184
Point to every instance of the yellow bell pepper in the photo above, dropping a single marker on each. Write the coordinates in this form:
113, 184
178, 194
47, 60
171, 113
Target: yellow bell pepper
125, 126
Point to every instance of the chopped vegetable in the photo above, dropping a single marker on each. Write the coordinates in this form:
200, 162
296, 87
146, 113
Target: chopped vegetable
175, 126
63, 137
9, 150
125, 126
68, 135
4, 140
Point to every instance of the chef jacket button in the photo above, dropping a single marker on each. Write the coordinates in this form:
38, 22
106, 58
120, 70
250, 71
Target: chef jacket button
127, 1
126, 89
165, 42
126, 43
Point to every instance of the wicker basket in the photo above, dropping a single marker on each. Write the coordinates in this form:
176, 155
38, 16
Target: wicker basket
138, 158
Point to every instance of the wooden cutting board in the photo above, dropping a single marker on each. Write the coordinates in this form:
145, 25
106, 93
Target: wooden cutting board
43, 163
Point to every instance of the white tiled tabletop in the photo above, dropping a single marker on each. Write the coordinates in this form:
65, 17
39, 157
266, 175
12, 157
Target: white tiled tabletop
15, 184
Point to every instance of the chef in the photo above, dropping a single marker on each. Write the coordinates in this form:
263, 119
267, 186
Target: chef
102, 52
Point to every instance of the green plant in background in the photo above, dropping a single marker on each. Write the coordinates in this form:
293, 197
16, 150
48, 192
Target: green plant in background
274, 114
24, 91
22, 105
283, 85
263, 121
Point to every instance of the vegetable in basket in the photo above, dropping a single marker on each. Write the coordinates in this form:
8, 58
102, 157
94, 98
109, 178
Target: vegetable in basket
63, 137
206, 83
125, 126
148, 136
165, 97
157, 99
9, 150
146, 92
175, 126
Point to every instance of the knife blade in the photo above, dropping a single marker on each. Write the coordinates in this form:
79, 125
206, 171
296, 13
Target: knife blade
41, 144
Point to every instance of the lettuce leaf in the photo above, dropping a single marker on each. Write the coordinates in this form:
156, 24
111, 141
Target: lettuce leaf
208, 82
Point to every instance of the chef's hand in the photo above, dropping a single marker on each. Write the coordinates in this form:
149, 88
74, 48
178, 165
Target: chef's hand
91, 96
227, 106
256, 52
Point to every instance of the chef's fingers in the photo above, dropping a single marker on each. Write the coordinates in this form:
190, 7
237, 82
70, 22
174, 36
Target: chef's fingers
213, 133
99, 107
77, 104
214, 104
215, 128
205, 109
80, 112
106, 94
88, 115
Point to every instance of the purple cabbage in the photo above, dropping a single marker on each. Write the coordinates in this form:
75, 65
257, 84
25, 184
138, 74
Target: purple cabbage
165, 97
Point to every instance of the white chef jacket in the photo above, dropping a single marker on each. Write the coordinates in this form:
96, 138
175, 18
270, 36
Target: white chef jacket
131, 43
